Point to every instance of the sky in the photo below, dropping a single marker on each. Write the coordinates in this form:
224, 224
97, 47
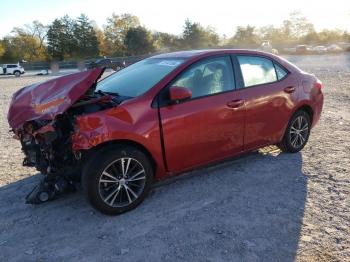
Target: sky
169, 16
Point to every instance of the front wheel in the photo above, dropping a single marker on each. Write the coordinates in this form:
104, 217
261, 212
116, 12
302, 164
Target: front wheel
297, 133
117, 179
17, 73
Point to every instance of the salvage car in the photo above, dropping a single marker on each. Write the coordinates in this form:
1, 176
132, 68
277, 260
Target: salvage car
159, 117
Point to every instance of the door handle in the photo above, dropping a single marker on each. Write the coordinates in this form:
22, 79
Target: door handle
289, 89
235, 103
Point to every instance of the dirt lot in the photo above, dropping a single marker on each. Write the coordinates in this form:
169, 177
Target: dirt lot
265, 206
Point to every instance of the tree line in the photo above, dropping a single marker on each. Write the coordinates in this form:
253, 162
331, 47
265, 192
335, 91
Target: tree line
124, 35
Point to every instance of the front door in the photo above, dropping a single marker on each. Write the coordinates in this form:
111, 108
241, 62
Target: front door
209, 126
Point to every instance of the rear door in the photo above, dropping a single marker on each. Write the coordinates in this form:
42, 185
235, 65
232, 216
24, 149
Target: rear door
269, 95
209, 126
11, 69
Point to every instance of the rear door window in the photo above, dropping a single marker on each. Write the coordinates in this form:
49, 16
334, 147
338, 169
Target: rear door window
257, 70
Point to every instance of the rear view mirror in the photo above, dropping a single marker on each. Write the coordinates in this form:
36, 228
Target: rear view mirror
178, 93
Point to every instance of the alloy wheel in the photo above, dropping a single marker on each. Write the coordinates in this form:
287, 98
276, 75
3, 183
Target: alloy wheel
122, 182
299, 132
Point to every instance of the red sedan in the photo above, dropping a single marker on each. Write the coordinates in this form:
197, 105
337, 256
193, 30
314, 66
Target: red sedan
161, 116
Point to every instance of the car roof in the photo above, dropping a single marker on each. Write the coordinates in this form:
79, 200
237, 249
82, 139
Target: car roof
205, 52
194, 55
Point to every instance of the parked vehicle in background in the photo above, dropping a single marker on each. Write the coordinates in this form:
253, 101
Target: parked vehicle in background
43, 72
267, 47
12, 69
159, 117
290, 50
345, 46
320, 49
107, 63
302, 49
334, 49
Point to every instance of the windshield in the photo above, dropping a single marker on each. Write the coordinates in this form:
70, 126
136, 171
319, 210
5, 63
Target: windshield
138, 78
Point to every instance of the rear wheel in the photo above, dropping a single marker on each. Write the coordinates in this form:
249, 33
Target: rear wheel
297, 133
117, 179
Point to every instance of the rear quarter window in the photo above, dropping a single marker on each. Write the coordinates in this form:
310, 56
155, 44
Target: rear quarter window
281, 72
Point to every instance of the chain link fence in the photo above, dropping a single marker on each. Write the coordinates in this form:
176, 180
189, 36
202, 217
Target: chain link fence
74, 64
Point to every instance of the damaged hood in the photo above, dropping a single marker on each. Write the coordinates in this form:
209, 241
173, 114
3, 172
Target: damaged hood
44, 101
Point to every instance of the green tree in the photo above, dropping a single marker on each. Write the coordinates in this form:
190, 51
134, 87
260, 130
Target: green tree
245, 36
2, 48
100, 36
196, 36
38, 30
115, 32
166, 42
54, 40
85, 38
296, 29
139, 41
297, 26
61, 41
23, 44
271, 33
331, 36
8, 54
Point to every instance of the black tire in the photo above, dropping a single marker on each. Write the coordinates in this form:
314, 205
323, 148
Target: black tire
17, 73
288, 143
95, 188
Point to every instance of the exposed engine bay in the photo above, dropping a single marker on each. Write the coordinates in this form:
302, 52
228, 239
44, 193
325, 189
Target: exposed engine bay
47, 147
43, 118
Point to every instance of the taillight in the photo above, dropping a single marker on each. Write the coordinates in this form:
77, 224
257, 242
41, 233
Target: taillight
318, 85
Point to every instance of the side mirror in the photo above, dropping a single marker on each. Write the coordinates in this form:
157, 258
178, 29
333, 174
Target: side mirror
178, 93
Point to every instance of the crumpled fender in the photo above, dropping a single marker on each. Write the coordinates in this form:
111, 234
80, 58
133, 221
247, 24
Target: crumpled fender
44, 101
96, 128
127, 122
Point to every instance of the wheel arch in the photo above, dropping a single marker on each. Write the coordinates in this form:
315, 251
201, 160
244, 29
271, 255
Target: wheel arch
124, 142
285, 144
307, 109
303, 107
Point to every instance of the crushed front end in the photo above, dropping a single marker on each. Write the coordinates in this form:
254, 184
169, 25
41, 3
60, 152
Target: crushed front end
43, 117
47, 147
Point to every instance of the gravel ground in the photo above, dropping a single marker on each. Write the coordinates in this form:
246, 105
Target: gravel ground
265, 206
